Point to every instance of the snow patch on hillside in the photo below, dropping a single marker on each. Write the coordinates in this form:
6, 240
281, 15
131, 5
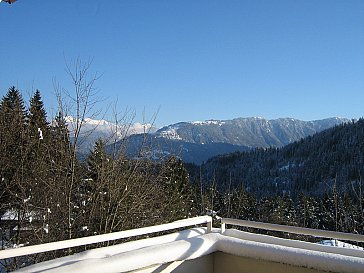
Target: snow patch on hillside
171, 133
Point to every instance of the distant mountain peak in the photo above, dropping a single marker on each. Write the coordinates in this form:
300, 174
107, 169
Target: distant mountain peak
93, 129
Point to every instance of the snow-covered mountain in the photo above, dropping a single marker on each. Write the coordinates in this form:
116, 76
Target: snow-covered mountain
199, 140
240, 132
250, 132
93, 129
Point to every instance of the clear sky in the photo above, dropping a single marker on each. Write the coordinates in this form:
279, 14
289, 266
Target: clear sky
194, 59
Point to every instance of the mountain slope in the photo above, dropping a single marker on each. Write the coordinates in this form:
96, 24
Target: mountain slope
251, 132
155, 147
196, 142
332, 160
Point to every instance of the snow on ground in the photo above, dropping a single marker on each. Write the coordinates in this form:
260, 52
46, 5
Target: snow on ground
338, 243
10, 215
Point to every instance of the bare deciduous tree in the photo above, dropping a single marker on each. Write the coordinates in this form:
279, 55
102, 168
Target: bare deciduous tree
79, 104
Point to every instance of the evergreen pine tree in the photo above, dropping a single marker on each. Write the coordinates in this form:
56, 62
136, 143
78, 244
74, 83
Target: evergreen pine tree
97, 195
242, 205
39, 162
59, 155
37, 113
175, 181
12, 148
97, 161
38, 134
307, 212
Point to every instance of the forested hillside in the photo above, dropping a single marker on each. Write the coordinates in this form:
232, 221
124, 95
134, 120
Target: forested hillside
315, 165
316, 182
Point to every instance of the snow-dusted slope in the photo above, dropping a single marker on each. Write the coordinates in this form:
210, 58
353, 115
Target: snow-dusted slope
251, 132
199, 140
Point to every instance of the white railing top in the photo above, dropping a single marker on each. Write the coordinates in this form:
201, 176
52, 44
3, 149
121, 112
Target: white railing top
292, 229
15, 252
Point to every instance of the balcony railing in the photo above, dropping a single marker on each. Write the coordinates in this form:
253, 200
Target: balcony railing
292, 229
16, 252
194, 246
202, 220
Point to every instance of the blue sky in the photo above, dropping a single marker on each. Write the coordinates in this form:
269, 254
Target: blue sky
194, 59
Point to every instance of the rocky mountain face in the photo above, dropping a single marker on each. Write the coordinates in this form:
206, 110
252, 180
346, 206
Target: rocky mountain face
195, 142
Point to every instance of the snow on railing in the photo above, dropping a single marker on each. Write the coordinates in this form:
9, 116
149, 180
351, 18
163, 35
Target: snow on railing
292, 229
15, 252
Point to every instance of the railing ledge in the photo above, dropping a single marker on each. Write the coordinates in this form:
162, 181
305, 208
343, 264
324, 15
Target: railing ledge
293, 229
16, 252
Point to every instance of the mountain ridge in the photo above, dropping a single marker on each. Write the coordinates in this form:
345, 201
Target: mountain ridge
250, 132
197, 141
223, 136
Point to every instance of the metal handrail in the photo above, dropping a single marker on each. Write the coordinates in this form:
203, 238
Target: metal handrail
292, 229
15, 252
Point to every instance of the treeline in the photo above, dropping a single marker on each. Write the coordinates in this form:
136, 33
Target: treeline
47, 194
315, 182
331, 211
